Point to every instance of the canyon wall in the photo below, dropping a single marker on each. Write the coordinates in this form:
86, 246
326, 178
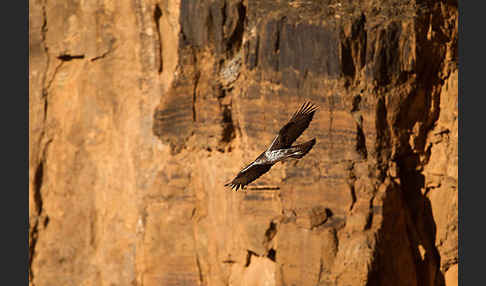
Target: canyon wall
140, 111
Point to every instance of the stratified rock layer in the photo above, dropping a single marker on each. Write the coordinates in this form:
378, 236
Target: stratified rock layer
140, 111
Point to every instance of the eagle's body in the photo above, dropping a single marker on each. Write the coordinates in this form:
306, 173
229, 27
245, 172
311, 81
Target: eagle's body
280, 149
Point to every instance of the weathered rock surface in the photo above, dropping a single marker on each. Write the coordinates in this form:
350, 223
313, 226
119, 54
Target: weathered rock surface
141, 110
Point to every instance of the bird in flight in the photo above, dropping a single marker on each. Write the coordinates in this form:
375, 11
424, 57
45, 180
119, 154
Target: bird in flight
280, 149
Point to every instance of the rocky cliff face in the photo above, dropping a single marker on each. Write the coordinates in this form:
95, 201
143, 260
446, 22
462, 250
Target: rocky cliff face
141, 110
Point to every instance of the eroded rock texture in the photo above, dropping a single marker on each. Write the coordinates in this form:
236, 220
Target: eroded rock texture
141, 110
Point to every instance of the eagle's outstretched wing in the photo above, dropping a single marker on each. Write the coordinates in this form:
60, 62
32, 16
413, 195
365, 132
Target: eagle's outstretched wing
296, 125
248, 175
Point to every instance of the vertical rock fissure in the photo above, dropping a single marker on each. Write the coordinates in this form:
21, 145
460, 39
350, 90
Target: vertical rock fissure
38, 177
33, 242
321, 270
270, 232
382, 138
199, 270
360, 136
39, 207
157, 16
46, 51
347, 59
361, 142
353, 197
248, 257
228, 125
272, 254
39, 171
194, 94
369, 218
235, 40
277, 40
62, 59
351, 184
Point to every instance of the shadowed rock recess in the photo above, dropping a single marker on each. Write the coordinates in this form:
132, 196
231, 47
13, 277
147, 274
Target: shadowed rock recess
140, 111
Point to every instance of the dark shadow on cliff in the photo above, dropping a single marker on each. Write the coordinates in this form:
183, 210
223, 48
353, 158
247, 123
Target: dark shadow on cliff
420, 223
407, 211
405, 249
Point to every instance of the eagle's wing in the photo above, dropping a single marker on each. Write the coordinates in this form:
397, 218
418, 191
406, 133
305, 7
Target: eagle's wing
296, 125
248, 175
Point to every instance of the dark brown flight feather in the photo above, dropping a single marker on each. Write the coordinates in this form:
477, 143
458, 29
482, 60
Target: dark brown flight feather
295, 127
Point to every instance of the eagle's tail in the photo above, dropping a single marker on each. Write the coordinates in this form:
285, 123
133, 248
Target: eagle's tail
302, 149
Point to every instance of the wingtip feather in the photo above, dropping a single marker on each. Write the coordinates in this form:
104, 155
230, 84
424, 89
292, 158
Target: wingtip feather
234, 187
307, 107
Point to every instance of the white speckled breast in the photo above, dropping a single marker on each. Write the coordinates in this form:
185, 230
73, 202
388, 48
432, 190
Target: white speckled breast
277, 155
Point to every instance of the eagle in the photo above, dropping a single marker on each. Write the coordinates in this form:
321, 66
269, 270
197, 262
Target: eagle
281, 147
